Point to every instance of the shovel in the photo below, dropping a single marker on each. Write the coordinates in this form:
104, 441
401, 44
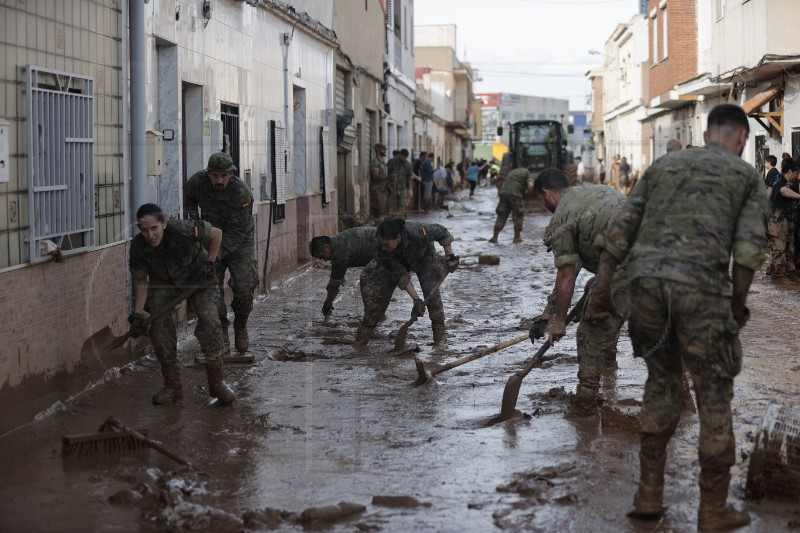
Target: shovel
426, 375
402, 333
511, 392
104, 345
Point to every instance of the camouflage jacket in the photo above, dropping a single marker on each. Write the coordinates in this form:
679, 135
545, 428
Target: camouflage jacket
402, 170
416, 242
230, 210
380, 166
183, 250
351, 248
688, 214
516, 182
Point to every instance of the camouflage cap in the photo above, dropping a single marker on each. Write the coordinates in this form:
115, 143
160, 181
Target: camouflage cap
221, 162
380, 146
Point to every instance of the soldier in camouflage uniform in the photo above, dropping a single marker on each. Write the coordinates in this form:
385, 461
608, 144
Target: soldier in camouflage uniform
691, 211
512, 201
219, 197
166, 258
580, 214
406, 247
391, 183
780, 229
378, 182
351, 248
400, 168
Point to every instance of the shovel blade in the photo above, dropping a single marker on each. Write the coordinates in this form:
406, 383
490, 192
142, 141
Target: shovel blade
424, 376
101, 348
402, 334
510, 396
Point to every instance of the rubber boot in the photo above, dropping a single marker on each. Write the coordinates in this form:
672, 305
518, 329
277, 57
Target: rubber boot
173, 390
363, 334
439, 335
216, 387
585, 403
226, 342
648, 502
494, 237
714, 513
517, 236
240, 337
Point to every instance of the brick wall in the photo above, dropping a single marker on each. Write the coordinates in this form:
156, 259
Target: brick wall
681, 61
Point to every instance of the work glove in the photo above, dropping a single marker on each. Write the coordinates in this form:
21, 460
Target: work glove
208, 272
538, 328
451, 263
138, 327
419, 308
327, 309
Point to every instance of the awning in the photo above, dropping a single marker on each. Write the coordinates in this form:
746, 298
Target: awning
771, 120
760, 100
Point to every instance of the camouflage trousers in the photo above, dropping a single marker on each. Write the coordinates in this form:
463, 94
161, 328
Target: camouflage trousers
377, 289
163, 336
512, 205
597, 339
243, 281
378, 200
672, 323
391, 195
780, 232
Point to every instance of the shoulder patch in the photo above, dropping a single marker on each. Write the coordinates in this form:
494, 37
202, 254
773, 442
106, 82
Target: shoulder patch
424, 231
245, 204
196, 231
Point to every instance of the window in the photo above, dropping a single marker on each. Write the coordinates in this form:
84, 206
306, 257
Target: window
721, 7
397, 27
654, 25
277, 160
389, 12
664, 40
325, 178
405, 26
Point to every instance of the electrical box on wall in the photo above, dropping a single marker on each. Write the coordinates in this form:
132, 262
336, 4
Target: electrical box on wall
212, 138
155, 153
5, 126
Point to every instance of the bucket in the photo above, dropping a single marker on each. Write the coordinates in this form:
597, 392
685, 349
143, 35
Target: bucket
775, 462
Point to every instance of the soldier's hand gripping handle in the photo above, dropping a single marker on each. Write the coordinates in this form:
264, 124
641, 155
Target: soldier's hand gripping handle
138, 327
451, 263
327, 309
419, 308
208, 272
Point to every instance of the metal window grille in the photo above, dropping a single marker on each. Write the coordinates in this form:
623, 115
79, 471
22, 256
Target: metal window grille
389, 14
277, 157
230, 129
796, 144
60, 160
325, 178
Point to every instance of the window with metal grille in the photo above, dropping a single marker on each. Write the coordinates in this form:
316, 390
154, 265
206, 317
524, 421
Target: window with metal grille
229, 114
277, 159
796, 144
60, 124
325, 178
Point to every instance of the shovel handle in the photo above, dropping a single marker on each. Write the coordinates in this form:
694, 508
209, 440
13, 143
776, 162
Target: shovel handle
164, 309
478, 355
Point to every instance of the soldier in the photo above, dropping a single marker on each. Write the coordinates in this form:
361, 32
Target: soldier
378, 182
351, 248
512, 200
781, 225
219, 197
406, 247
391, 183
679, 228
166, 258
580, 214
403, 175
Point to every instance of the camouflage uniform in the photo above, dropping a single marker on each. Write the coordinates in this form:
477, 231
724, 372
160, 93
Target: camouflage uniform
170, 268
391, 185
780, 230
512, 199
685, 218
415, 253
403, 173
377, 188
351, 248
230, 210
582, 214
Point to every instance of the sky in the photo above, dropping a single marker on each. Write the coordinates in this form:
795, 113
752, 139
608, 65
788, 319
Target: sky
530, 47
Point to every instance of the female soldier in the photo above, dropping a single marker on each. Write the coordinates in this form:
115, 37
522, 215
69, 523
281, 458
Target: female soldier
405, 247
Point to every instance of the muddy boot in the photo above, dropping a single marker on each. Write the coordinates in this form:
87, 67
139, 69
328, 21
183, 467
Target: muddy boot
226, 342
363, 334
585, 403
494, 237
240, 337
439, 335
517, 236
714, 514
648, 501
216, 388
172, 391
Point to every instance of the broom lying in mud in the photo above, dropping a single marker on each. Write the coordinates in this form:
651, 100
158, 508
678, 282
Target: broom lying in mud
113, 437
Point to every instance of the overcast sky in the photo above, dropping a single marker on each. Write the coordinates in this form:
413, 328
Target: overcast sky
531, 47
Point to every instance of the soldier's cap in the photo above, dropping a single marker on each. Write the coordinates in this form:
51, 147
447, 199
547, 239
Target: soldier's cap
221, 162
380, 146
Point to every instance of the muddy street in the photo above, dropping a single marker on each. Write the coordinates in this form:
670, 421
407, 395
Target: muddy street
317, 423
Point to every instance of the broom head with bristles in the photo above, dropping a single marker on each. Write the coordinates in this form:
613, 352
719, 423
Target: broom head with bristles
107, 440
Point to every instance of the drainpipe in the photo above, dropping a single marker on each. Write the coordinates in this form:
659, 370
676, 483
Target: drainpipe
138, 114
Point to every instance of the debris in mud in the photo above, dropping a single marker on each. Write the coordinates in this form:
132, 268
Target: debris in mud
775, 461
620, 416
488, 259
268, 518
126, 497
331, 513
398, 501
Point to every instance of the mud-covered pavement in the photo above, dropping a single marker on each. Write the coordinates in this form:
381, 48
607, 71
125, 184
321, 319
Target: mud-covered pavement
317, 423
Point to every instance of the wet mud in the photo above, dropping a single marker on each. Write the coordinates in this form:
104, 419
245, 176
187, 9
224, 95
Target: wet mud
325, 437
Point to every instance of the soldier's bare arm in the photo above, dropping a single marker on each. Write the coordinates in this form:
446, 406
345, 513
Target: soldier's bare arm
216, 241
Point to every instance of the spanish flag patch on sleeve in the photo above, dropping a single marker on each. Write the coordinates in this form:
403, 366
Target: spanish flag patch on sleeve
244, 205
424, 231
196, 231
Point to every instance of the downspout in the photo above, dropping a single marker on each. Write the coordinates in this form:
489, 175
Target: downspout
138, 114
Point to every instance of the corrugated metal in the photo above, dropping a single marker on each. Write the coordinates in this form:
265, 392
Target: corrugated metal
60, 159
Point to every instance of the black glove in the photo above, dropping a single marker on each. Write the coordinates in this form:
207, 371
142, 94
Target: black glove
419, 308
208, 272
138, 327
451, 263
327, 309
538, 328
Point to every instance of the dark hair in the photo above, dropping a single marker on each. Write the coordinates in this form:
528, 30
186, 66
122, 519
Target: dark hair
317, 244
728, 115
151, 210
404, 152
789, 165
772, 160
551, 179
391, 228
422, 154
